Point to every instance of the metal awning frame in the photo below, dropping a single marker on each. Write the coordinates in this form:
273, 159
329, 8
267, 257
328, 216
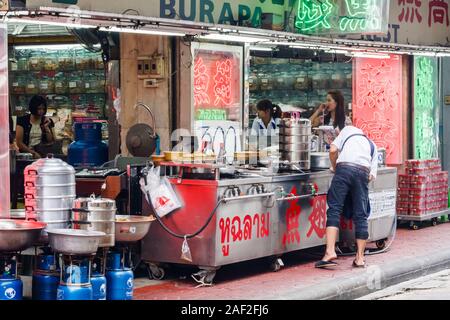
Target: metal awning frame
76, 18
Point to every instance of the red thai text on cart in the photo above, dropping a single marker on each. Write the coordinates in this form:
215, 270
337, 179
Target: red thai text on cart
236, 229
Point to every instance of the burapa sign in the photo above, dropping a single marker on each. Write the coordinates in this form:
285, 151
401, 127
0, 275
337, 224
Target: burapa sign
241, 12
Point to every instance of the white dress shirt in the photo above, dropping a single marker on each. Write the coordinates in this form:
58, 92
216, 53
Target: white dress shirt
357, 149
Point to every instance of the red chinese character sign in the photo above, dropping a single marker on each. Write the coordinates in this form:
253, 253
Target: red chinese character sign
377, 103
217, 85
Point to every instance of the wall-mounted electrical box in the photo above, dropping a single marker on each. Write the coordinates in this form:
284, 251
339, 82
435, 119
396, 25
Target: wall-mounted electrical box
151, 67
151, 83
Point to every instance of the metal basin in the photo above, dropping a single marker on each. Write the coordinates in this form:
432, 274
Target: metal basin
320, 160
70, 241
132, 228
19, 235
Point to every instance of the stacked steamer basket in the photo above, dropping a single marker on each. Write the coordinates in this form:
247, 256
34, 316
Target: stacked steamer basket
295, 142
423, 189
49, 193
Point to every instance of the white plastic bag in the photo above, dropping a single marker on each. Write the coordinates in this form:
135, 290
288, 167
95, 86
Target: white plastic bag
162, 196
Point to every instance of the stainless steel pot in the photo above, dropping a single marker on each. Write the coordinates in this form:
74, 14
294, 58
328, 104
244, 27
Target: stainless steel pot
24, 156
47, 203
295, 147
295, 131
53, 216
296, 156
320, 160
89, 215
290, 123
132, 228
295, 139
101, 204
62, 190
70, 241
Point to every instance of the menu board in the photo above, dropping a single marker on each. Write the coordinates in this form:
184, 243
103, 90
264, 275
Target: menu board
378, 102
217, 77
426, 112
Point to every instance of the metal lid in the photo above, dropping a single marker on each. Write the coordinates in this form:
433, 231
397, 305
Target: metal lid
51, 165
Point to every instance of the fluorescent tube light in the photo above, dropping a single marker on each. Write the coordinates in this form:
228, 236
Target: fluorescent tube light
369, 55
142, 31
53, 46
425, 54
336, 51
228, 37
253, 48
49, 23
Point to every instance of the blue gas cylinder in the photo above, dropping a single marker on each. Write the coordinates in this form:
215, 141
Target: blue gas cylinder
11, 288
74, 292
44, 285
98, 282
119, 284
45, 278
88, 149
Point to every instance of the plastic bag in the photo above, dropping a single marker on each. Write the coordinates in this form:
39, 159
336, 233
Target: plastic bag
162, 196
186, 251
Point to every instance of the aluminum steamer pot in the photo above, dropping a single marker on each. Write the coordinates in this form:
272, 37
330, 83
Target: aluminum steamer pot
320, 160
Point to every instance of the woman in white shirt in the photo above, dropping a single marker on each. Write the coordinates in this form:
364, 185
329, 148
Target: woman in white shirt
265, 126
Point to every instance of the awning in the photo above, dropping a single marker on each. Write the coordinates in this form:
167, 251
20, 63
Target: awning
197, 31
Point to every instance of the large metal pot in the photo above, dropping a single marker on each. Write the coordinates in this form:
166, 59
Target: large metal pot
296, 156
292, 122
132, 228
50, 171
18, 235
62, 190
295, 131
295, 139
102, 204
53, 215
295, 147
89, 215
320, 160
50, 203
70, 241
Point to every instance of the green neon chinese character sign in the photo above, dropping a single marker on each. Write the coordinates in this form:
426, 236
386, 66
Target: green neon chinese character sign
342, 16
361, 16
313, 15
425, 108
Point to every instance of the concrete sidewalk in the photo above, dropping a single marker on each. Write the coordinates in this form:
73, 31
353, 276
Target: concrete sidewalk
412, 254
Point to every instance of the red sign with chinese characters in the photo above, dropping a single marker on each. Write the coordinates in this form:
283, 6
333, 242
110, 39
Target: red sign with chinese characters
378, 102
216, 81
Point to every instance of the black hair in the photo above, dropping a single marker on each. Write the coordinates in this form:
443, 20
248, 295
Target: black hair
267, 105
339, 120
34, 104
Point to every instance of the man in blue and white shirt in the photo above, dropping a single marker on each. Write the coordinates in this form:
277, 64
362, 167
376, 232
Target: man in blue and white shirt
354, 160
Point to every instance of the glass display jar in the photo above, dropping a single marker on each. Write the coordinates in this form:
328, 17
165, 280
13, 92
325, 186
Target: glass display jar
349, 80
51, 62
32, 85
75, 83
302, 81
338, 80
46, 85
320, 80
61, 83
18, 85
66, 61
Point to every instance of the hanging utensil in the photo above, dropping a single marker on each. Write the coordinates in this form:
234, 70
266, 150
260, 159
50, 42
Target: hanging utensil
141, 138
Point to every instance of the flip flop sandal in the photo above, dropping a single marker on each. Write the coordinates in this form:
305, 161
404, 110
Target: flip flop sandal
325, 264
355, 265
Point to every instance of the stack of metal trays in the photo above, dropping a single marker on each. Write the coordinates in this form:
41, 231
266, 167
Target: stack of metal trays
96, 214
295, 142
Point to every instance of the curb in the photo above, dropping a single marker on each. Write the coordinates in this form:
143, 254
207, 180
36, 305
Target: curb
375, 278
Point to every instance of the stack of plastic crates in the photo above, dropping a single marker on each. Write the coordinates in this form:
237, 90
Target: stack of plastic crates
423, 189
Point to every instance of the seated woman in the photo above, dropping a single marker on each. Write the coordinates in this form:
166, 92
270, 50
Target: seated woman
331, 113
35, 129
264, 132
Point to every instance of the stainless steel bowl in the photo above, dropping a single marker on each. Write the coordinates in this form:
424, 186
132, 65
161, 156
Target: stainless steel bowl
70, 241
19, 235
132, 228
290, 123
103, 226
